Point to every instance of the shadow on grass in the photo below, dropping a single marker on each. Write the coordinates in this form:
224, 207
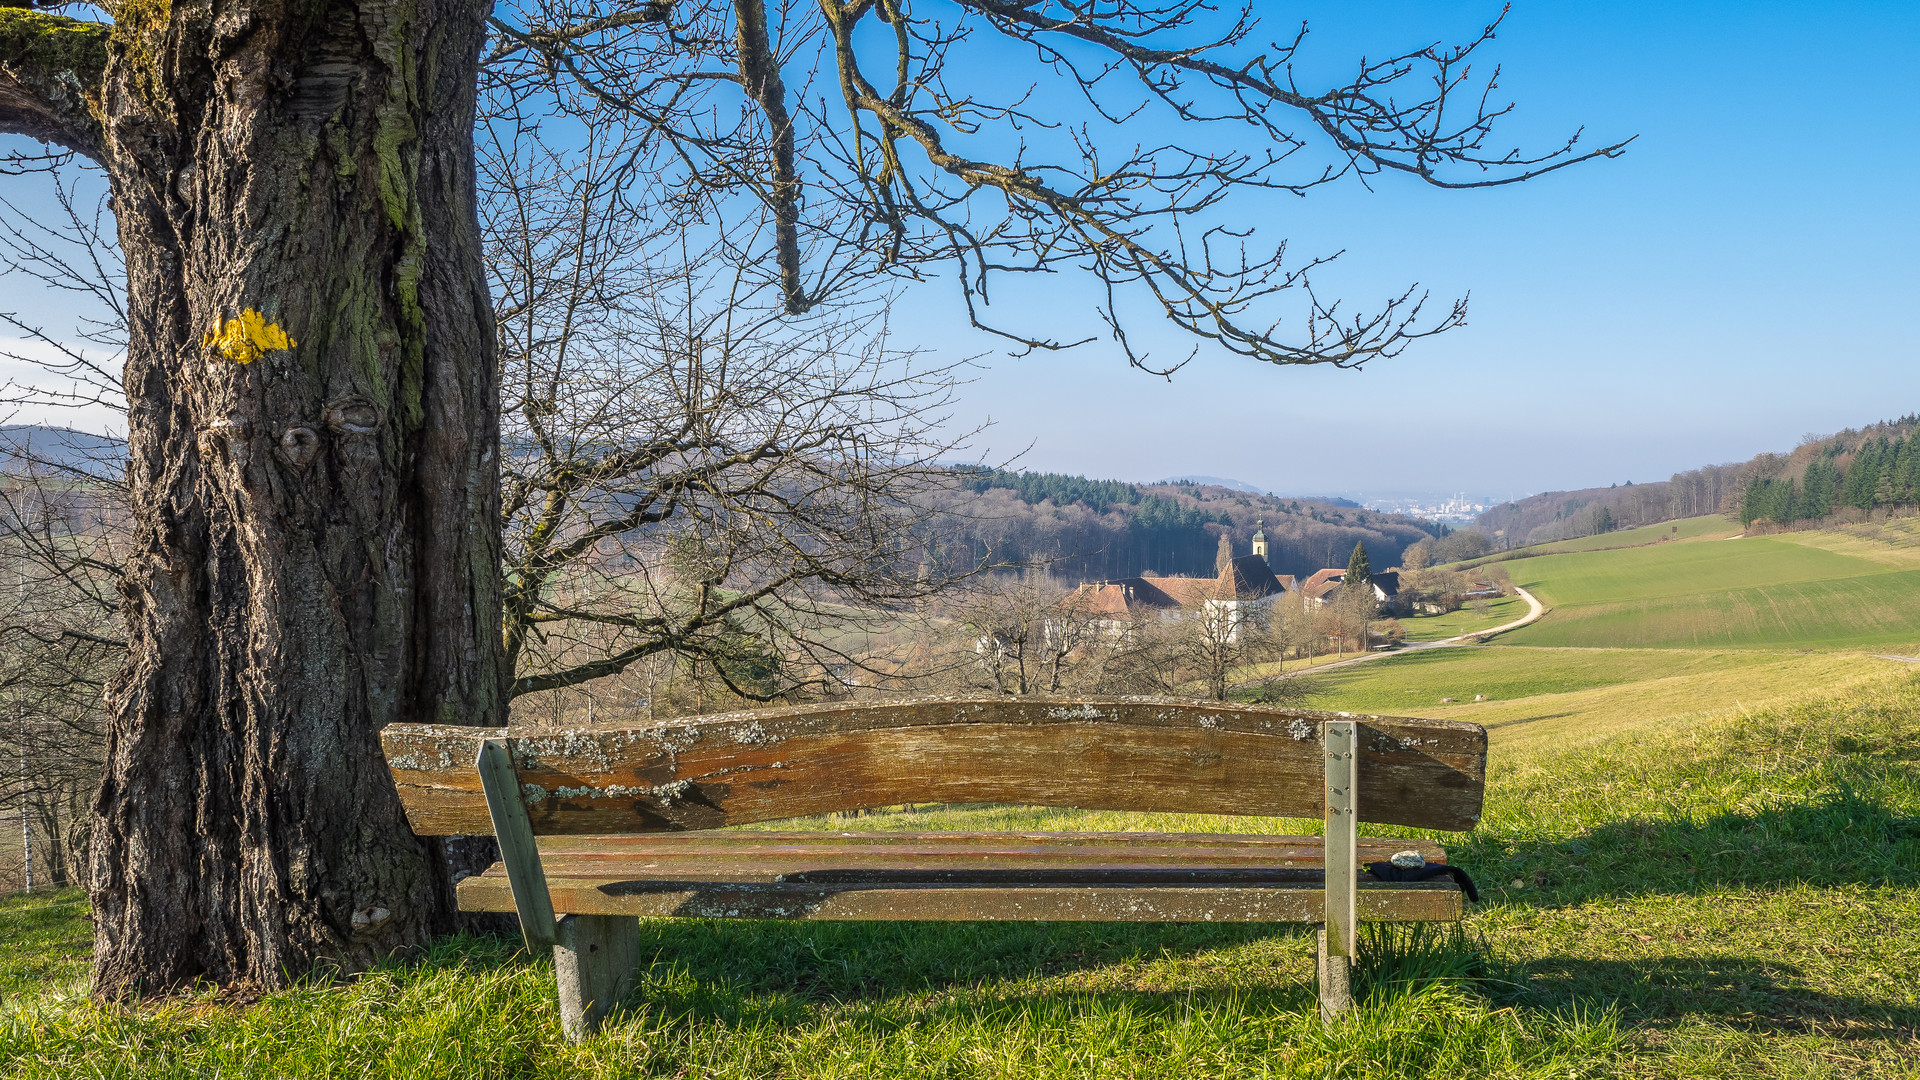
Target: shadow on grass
1835, 838
1742, 991
815, 962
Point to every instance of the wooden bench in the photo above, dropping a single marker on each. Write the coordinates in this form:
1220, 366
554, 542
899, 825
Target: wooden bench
625, 816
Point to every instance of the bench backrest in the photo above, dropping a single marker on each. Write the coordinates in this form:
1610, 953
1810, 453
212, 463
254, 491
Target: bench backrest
1128, 754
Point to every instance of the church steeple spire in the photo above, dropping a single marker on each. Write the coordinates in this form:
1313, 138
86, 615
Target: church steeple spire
1260, 541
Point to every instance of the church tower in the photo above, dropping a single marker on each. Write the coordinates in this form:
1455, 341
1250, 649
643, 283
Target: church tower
1260, 541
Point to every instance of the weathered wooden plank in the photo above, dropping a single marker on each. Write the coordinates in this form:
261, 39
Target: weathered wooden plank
766, 857
1303, 902
519, 854
757, 842
1142, 754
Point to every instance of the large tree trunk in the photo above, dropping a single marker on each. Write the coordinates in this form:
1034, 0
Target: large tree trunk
316, 541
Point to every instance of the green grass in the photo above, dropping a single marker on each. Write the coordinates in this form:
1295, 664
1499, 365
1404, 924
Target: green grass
1713, 527
1731, 896
1566, 697
47, 941
1500, 611
1759, 592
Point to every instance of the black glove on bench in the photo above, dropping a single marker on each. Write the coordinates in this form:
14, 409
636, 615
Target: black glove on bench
1386, 871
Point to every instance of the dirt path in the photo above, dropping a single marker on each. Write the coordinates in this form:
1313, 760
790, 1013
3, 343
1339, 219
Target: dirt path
1535, 609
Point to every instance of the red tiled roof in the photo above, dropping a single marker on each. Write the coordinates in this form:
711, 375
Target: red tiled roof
1104, 601
1322, 582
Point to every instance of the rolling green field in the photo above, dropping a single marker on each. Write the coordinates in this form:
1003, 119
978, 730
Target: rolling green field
1756, 592
1564, 697
1712, 527
1638, 636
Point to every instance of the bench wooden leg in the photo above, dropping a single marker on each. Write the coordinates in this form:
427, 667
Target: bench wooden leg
1336, 982
595, 958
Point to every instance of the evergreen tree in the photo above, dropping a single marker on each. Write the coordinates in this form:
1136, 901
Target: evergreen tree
1359, 568
1818, 489
1768, 500
1863, 475
1908, 492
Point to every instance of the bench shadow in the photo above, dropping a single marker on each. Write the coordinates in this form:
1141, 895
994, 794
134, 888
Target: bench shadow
1770, 995
1838, 838
729, 970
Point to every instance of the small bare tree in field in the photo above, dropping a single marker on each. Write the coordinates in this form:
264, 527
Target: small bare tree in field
1025, 635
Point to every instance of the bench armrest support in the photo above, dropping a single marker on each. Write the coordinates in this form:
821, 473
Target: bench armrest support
519, 853
1341, 738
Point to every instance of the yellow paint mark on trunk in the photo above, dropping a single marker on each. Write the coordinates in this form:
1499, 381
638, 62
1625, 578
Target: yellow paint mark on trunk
249, 337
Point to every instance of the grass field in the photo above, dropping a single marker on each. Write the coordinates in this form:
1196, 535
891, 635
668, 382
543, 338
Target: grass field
1731, 896
1638, 636
1797, 591
1713, 527
1565, 697
1700, 858
1498, 612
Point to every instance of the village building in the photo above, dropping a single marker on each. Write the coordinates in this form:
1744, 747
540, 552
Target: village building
1245, 588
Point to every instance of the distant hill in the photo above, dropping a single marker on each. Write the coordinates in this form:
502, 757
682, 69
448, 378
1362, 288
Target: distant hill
24, 446
1215, 481
1564, 515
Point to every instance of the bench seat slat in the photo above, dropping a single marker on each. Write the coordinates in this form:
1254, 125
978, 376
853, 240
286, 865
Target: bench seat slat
1277, 902
757, 841
1147, 877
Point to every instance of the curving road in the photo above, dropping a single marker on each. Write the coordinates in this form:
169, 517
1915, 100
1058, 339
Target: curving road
1535, 609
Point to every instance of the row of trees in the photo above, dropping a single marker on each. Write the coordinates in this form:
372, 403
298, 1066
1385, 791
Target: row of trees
1864, 470
60, 642
1160, 529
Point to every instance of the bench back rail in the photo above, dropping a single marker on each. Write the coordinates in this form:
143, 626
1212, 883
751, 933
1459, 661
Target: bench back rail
1146, 755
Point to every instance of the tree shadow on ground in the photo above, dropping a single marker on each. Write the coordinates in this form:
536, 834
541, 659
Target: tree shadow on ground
1741, 991
1834, 838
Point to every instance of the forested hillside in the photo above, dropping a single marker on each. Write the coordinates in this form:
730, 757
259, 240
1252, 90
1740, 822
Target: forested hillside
1846, 475
1098, 529
1853, 473
1562, 515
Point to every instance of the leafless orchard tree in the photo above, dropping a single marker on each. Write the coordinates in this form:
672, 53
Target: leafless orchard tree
60, 641
687, 468
1021, 634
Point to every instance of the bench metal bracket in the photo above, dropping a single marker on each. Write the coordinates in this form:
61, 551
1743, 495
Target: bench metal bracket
1337, 944
519, 853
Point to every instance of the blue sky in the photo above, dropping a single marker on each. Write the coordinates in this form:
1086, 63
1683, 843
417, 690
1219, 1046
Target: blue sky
1745, 275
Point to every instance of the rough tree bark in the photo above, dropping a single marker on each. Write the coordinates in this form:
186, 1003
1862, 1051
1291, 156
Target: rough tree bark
313, 417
